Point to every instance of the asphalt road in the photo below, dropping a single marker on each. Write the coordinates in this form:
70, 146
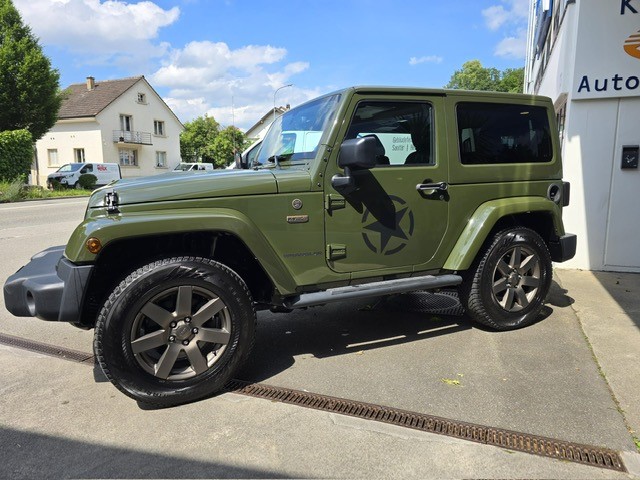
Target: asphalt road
540, 380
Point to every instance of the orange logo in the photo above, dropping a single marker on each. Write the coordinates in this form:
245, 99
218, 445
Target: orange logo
632, 45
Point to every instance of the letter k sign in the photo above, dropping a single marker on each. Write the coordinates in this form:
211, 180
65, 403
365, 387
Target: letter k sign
626, 5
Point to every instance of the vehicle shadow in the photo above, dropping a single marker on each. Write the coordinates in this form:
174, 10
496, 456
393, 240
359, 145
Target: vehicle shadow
358, 326
60, 457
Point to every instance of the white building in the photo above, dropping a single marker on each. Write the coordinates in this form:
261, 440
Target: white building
585, 55
259, 129
116, 121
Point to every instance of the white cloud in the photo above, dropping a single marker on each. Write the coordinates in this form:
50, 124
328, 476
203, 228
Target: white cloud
426, 59
510, 17
510, 11
205, 77
104, 31
513, 46
495, 16
201, 77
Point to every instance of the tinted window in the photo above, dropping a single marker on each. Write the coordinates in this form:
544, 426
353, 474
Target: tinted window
403, 130
500, 133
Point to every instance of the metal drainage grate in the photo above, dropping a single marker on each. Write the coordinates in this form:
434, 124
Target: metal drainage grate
46, 349
522, 442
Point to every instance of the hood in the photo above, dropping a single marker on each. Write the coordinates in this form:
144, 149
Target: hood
188, 186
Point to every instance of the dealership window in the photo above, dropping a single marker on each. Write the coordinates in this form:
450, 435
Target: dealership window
128, 157
52, 157
161, 159
78, 155
158, 128
491, 133
403, 131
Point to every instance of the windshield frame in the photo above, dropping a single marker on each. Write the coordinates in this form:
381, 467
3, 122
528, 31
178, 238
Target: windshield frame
296, 136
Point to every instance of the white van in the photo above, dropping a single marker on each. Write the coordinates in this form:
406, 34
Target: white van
69, 174
192, 167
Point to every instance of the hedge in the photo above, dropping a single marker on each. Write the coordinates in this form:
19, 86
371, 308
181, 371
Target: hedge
16, 154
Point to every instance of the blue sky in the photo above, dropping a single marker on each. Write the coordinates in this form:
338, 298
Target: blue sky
203, 55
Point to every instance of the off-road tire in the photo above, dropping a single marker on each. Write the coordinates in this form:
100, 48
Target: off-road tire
507, 284
142, 302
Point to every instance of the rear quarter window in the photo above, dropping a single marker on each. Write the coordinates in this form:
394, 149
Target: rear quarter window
497, 133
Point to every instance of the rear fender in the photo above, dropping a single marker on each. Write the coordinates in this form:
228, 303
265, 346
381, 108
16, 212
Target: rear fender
487, 216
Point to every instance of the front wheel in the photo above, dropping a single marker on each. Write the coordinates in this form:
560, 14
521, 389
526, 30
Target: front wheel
506, 286
175, 331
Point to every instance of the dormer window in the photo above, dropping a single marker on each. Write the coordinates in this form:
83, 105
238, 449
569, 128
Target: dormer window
142, 98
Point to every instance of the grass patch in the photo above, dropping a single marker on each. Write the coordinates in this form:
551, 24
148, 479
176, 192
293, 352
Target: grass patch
17, 191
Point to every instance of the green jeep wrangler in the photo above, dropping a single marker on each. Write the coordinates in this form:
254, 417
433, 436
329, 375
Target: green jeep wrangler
364, 192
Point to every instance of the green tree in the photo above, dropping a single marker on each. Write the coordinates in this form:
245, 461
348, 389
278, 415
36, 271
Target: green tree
16, 154
228, 141
197, 138
473, 76
512, 80
29, 88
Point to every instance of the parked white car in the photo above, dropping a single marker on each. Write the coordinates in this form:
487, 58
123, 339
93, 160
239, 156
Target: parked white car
192, 167
69, 174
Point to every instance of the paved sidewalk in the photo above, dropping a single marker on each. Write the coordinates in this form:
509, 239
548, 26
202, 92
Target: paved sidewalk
608, 307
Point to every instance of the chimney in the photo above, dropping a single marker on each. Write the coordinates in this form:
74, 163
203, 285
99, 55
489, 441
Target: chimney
91, 83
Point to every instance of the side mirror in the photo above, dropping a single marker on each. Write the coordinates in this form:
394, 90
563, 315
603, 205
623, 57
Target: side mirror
84, 170
241, 163
355, 153
359, 152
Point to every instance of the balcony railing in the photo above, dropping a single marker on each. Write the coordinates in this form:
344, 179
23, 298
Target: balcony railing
141, 138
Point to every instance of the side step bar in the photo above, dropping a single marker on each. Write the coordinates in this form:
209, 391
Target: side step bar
375, 289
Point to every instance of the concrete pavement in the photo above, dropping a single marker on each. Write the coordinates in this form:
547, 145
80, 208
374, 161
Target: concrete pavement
607, 305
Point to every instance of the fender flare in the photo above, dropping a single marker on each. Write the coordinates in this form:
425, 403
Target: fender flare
485, 218
161, 222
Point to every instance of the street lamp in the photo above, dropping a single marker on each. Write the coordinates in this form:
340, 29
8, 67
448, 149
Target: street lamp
274, 98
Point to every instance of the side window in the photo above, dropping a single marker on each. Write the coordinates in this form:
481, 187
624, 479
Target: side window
404, 131
490, 133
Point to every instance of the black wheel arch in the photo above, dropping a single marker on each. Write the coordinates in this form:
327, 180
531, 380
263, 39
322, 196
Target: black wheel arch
120, 257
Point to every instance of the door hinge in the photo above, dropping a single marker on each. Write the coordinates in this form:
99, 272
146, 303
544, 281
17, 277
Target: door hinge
336, 251
334, 202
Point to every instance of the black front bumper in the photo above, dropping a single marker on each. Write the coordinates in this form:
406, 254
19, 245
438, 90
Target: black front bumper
564, 248
49, 287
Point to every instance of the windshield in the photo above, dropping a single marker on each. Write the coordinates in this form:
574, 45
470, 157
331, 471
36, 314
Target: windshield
70, 167
295, 135
184, 167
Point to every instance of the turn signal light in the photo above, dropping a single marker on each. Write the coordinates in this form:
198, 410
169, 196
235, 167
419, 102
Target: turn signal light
94, 245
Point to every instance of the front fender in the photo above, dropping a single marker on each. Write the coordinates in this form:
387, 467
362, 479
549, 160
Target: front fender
484, 219
160, 222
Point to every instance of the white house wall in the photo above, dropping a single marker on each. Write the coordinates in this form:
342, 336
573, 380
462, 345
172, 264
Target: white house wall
65, 137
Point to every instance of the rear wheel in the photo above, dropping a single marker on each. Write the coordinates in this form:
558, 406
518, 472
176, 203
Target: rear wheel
506, 286
175, 331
